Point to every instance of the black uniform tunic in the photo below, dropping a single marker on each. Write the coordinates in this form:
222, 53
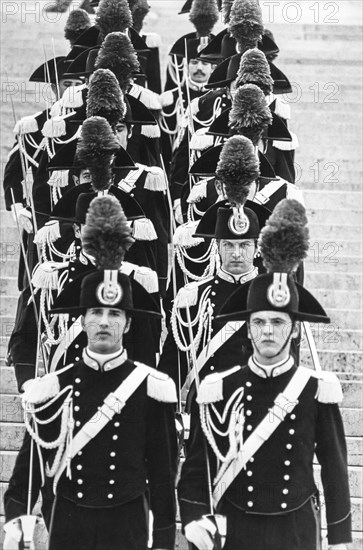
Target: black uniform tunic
131, 459
274, 494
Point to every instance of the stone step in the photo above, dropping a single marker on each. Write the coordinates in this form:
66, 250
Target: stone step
321, 200
349, 362
332, 232
345, 319
355, 451
308, 27
328, 280
338, 299
347, 248
336, 339
330, 260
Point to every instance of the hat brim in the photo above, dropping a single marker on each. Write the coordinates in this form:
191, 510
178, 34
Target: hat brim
205, 228
206, 164
235, 307
144, 305
133, 210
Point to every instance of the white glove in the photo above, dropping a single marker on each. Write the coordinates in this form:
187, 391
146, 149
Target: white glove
26, 385
13, 535
23, 216
200, 532
178, 212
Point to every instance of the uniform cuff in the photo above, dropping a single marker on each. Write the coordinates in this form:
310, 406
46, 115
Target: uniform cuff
24, 372
340, 532
164, 538
191, 510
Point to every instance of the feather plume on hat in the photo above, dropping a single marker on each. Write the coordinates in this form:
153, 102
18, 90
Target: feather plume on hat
245, 23
226, 10
106, 236
204, 15
118, 54
284, 241
78, 21
250, 114
237, 168
254, 69
105, 98
95, 151
113, 15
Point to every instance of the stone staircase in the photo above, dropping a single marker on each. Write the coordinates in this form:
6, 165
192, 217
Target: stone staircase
324, 63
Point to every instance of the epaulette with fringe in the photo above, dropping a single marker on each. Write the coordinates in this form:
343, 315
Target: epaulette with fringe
188, 294
287, 145
45, 275
48, 233
144, 230
54, 127
183, 235
27, 125
43, 388
151, 131
150, 99
155, 179
329, 388
211, 388
198, 191
159, 385
152, 39
146, 276
73, 97
200, 140
58, 178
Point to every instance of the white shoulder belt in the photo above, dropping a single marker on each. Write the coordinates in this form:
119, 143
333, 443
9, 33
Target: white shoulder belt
112, 404
284, 404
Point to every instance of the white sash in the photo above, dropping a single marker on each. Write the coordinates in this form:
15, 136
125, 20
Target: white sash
264, 195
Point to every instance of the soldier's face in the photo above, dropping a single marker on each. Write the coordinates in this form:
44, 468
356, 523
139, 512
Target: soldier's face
237, 255
65, 83
84, 177
122, 134
269, 331
199, 71
105, 328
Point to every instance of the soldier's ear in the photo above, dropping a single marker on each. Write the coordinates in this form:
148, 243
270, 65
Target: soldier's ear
75, 179
128, 325
83, 325
248, 330
296, 330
